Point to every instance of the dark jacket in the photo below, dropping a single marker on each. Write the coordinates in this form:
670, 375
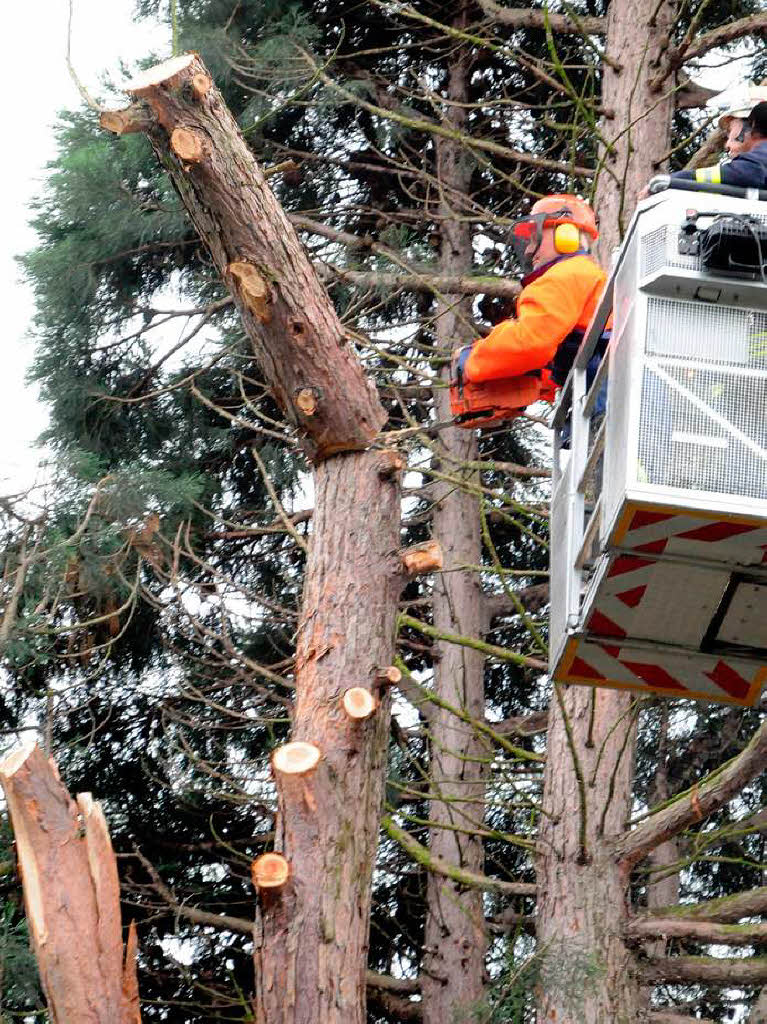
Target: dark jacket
749, 170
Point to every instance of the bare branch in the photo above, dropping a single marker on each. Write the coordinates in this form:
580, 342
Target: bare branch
754, 24
472, 879
706, 970
193, 914
700, 931
694, 805
497, 287
724, 909
563, 24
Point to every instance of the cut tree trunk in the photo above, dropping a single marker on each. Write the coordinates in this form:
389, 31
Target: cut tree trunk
312, 933
312, 941
297, 338
589, 975
71, 895
452, 976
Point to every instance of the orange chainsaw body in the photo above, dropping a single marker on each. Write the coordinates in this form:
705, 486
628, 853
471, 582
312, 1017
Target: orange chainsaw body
490, 401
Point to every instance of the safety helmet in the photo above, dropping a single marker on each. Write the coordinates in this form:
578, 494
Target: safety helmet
567, 214
737, 103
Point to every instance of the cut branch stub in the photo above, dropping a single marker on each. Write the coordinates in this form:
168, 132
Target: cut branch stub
392, 464
253, 288
359, 703
201, 86
388, 676
269, 871
306, 400
190, 147
297, 758
422, 558
134, 118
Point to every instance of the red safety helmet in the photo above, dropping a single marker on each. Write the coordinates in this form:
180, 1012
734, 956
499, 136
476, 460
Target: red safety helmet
567, 214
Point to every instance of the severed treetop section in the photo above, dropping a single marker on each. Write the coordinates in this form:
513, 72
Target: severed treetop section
296, 335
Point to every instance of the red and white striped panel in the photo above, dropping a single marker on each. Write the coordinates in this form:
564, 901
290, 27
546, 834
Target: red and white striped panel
657, 601
653, 531
700, 676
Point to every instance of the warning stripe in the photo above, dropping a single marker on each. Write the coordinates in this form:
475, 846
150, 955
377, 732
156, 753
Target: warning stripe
631, 598
602, 626
628, 563
654, 547
654, 675
717, 531
644, 517
729, 680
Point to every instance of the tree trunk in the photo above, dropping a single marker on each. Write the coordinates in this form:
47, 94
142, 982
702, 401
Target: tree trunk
453, 966
589, 975
71, 895
311, 947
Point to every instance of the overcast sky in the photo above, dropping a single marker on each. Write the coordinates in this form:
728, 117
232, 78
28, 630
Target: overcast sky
32, 52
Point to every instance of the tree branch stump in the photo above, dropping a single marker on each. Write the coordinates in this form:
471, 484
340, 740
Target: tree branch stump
71, 895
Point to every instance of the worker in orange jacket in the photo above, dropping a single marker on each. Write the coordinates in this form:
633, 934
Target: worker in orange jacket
560, 292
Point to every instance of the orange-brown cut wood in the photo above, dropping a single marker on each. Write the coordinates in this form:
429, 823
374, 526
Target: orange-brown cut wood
422, 558
269, 871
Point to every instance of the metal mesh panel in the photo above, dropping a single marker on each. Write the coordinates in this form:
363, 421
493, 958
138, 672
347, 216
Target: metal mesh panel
660, 247
626, 281
704, 429
560, 570
717, 334
618, 407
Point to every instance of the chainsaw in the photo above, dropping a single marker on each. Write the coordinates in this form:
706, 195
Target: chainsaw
491, 401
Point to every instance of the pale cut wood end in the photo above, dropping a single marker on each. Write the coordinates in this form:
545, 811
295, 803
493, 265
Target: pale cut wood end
253, 289
188, 146
296, 758
11, 764
359, 703
389, 676
158, 74
269, 871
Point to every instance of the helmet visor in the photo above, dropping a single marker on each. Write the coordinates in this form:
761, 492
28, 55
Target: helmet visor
526, 235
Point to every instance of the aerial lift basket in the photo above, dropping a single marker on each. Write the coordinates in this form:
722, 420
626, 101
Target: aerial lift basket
659, 515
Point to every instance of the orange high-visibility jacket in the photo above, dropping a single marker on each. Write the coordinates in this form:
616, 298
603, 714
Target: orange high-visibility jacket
561, 300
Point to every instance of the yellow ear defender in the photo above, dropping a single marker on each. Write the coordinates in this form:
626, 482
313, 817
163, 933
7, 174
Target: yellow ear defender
567, 239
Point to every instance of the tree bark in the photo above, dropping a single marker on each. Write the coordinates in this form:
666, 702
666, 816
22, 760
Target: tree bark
589, 974
311, 944
296, 335
71, 895
312, 933
453, 965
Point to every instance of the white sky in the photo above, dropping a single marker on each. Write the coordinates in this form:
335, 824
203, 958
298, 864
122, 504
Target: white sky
32, 50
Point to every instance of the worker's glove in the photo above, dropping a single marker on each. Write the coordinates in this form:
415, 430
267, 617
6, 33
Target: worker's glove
460, 357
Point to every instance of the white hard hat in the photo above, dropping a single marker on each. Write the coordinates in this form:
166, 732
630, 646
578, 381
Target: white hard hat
737, 102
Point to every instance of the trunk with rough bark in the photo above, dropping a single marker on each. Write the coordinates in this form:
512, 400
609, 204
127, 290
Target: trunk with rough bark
589, 975
452, 979
71, 895
312, 932
311, 945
